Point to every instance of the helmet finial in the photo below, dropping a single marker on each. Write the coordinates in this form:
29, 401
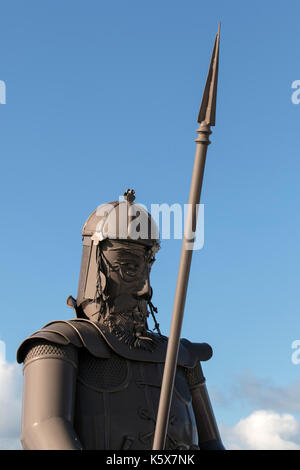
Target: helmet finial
129, 195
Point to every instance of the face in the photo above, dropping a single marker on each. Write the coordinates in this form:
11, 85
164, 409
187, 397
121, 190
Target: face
128, 268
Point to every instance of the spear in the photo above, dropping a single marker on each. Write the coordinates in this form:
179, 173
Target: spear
206, 119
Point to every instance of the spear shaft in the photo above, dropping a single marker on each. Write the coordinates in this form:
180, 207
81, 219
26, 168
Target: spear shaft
206, 119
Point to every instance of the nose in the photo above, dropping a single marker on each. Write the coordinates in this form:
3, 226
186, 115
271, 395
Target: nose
145, 291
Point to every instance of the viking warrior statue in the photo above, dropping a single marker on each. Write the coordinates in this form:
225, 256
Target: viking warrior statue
93, 382
104, 380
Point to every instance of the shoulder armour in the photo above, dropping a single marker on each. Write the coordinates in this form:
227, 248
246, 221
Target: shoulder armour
189, 354
79, 333
198, 352
99, 342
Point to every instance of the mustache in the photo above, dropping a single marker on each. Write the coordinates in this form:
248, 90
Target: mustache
129, 302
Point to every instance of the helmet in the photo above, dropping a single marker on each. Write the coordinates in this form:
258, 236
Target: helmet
121, 220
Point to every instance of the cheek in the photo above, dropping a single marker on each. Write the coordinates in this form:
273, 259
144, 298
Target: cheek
113, 284
117, 285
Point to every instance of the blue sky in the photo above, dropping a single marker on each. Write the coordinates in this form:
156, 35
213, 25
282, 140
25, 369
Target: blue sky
104, 96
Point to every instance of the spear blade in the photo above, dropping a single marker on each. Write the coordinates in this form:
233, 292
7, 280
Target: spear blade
206, 119
208, 106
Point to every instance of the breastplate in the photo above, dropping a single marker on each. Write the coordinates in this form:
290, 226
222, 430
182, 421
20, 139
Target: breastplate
117, 402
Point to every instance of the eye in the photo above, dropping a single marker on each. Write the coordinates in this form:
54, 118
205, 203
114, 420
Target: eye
129, 268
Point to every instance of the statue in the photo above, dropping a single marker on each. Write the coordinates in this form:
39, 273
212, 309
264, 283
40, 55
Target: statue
94, 382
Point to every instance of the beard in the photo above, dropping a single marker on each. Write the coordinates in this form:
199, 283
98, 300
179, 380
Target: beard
126, 318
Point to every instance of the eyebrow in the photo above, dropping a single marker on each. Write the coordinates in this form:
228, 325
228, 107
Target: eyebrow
124, 257
128, 251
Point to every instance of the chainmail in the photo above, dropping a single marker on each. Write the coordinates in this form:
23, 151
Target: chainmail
41, 349
194, 376
101, 374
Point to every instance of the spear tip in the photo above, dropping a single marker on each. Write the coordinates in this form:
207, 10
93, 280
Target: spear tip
207, 111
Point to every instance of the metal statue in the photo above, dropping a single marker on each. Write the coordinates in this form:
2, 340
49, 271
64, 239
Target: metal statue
94, 382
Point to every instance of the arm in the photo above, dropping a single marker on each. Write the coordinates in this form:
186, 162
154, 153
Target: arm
208, 432
48, 397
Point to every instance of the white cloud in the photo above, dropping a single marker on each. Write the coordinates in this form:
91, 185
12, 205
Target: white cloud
10, 405
263, 430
